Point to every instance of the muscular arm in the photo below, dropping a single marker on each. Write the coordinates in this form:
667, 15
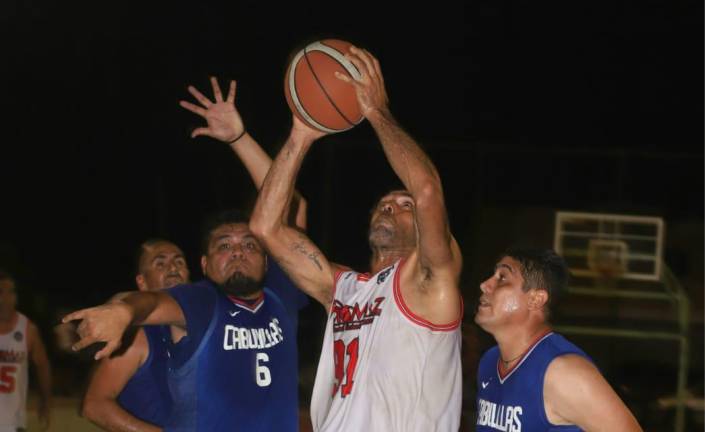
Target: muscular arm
109, 378
409, 162
108, 322
433, 288
420, 178
293, 250
225, 124
576, 393
257, 163
43, 372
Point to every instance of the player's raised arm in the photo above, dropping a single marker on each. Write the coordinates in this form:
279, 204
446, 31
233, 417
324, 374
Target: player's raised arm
107, 323
293, 250
436, 247
409, 162
225, 124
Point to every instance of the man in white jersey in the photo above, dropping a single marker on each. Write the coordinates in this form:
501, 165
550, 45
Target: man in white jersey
19, 341
391, 353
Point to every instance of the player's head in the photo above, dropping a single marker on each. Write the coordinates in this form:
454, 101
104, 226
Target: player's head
160, 264
393, 222
8, 295
231, 255
521, 288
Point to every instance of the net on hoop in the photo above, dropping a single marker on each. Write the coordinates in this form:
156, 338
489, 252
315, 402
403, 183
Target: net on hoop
607, 258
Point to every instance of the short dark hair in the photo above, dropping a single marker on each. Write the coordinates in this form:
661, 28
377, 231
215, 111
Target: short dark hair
5, 275
541, 269
216, 220
142, 249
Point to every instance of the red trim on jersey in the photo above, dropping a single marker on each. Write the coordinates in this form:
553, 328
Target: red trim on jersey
252, 307
336, 278
363, 277
399, 299
503, 376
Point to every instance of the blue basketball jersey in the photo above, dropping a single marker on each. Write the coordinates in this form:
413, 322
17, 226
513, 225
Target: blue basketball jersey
146, 395
514, 402
236, 370
293, 298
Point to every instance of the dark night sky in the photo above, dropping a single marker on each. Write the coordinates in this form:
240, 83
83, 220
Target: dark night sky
98, 155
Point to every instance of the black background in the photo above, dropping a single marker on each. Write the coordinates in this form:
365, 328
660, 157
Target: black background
525, 107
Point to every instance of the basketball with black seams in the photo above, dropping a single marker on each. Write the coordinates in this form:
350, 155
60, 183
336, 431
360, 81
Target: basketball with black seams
313, 92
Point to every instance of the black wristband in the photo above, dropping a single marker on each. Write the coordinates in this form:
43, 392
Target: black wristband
244, 131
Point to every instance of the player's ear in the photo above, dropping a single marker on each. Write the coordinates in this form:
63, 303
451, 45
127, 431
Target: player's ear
204, 263
141, 283
537, 299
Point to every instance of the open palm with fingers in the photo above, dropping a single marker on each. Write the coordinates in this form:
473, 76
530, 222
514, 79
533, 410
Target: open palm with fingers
224, 121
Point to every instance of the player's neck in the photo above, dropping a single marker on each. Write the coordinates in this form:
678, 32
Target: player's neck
515, 343
384, 257
8, 321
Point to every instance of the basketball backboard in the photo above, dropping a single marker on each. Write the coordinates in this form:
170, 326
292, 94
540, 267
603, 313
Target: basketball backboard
610, 245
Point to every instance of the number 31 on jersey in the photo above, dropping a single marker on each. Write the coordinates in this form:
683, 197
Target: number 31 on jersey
341, 371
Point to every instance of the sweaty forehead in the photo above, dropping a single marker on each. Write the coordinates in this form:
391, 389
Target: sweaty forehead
164, 248
231, 230
509, 264
394, 195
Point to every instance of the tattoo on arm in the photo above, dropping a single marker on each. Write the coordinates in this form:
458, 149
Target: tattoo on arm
300, 247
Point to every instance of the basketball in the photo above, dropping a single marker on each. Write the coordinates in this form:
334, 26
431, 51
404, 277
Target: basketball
315, 95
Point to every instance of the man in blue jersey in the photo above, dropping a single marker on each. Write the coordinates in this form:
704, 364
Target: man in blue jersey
236, 368
128, 391
534, 379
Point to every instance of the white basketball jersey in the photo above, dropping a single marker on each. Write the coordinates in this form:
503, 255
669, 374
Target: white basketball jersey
383, 369
13, 376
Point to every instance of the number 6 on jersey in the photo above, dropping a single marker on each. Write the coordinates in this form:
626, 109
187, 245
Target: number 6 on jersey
262, 374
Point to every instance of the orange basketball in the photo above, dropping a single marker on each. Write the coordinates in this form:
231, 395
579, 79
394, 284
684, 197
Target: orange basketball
313, 92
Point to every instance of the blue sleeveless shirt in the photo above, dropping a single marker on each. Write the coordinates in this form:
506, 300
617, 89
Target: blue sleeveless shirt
146, 395
514, 402
236, 370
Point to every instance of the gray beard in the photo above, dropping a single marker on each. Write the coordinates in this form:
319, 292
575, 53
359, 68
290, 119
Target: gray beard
240, 285
380, 236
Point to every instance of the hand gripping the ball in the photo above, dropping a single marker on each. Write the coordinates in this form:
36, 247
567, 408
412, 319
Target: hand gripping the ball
369, 88
303, 131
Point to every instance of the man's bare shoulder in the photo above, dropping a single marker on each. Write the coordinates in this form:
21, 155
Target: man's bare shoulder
575, 392
134, 347
434, 297
569, 373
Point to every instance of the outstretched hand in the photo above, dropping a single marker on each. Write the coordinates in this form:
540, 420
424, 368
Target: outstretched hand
369, 88
224, 121
105, 323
